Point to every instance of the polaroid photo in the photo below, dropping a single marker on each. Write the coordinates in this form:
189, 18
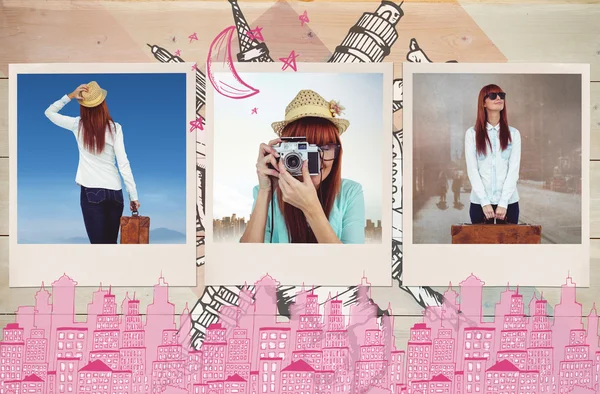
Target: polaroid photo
102, 174
496, 173
299, 182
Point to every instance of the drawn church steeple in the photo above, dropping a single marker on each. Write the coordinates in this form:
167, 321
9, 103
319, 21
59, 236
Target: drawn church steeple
251, 50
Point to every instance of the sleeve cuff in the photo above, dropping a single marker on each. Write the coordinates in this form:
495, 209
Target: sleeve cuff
485, 202
133, 197
66, 99
503, 203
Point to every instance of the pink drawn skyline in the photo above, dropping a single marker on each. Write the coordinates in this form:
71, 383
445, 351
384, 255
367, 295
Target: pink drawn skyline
317, 350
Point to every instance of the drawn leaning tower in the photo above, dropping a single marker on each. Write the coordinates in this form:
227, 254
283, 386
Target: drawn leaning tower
251, 50
372, 37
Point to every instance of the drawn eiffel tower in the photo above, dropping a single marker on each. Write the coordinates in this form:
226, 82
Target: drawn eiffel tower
251, 50
371, 38
164, 56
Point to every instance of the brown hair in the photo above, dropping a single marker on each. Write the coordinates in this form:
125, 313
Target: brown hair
317, 131
93, 123
481, 137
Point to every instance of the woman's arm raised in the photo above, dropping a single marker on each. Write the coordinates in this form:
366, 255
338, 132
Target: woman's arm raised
255, 229
66, 122
263, 193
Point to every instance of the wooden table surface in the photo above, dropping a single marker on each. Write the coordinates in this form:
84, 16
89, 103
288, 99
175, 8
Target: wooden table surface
36, 31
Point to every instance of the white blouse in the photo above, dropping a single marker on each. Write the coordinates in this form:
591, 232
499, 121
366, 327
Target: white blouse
494, 176
97, 170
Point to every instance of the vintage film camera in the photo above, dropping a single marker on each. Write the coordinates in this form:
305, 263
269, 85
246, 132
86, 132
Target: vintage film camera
294, 150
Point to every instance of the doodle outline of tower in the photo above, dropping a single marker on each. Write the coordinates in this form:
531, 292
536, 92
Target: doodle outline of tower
251, 50
371, 38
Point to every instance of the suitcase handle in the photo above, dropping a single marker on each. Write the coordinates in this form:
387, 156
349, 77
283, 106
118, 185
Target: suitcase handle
134, 213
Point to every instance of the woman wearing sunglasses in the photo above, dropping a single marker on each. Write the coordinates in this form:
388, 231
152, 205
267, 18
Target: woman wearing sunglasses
320, 208
493, 156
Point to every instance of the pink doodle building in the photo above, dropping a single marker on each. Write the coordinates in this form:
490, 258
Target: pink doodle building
320, 349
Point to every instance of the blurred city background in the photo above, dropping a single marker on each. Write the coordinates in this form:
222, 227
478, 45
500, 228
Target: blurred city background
545, 108
231, 228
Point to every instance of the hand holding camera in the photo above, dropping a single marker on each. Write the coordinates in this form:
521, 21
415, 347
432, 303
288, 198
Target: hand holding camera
266, 164
301, 195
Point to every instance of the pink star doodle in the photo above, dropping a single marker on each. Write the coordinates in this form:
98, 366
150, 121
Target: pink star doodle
178, 53
194, 67
303, 18
197, 124
193, 37
255, 34
289, 61
254, 111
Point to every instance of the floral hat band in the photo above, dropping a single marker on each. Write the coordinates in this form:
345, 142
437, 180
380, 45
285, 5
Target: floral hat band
310, 103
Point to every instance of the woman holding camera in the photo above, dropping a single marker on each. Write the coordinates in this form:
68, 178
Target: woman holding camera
321, 208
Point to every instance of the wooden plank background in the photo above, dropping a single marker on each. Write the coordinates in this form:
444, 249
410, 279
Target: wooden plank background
469, 31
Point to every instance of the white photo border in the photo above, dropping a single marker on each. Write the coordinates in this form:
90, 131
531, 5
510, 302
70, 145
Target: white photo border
117, 265
524, 265
325, 264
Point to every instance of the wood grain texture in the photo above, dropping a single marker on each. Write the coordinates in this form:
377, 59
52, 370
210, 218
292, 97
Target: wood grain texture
117, 31
552, 33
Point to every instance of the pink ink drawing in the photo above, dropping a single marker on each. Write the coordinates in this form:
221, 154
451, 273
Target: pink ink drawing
303, 18
289, 61
193, 37
254, 111
46, 351
178, 52
194, 67
453, 350
197, 124
256, 34
221, 71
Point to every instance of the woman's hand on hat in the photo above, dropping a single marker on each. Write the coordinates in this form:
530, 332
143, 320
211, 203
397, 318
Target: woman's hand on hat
301, 195
267, 155
76, 94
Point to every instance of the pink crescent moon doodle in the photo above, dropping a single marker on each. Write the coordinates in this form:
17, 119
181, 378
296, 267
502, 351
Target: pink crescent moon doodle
219, 59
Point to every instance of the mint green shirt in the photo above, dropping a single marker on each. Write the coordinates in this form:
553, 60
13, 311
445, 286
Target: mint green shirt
347, 216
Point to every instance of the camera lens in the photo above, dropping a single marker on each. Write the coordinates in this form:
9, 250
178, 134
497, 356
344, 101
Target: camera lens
293, 162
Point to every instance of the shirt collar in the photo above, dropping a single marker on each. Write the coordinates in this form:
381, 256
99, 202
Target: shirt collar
490, 127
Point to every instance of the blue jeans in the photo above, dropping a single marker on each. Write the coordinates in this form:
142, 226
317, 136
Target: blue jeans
512, 214
102, 210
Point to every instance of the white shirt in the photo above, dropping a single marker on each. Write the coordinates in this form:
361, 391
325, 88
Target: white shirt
97, 170
493, 176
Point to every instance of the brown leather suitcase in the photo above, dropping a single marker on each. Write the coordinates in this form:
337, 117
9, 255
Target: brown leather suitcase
496, 233
135, 229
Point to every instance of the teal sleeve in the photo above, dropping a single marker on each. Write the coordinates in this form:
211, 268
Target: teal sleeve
268, 224
353, 222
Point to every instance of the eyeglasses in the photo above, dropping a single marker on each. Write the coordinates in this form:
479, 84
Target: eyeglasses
330, 151
492, 96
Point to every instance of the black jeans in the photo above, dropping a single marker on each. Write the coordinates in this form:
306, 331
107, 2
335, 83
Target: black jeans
512, 214
102, 210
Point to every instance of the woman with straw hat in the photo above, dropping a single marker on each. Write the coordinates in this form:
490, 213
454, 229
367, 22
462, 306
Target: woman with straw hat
100, 142
320, 208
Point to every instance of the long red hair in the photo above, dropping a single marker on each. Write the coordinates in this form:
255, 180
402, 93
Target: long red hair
93, 124
482, 139
317, 131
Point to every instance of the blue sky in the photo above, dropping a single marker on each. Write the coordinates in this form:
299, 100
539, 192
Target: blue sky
151, 110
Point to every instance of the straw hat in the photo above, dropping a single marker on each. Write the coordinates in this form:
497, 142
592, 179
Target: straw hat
94, 96
310, 103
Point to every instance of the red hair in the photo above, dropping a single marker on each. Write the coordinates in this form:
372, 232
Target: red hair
481, 137
93, 123
317, 131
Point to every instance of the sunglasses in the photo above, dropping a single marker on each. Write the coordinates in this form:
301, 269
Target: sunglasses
492, 96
